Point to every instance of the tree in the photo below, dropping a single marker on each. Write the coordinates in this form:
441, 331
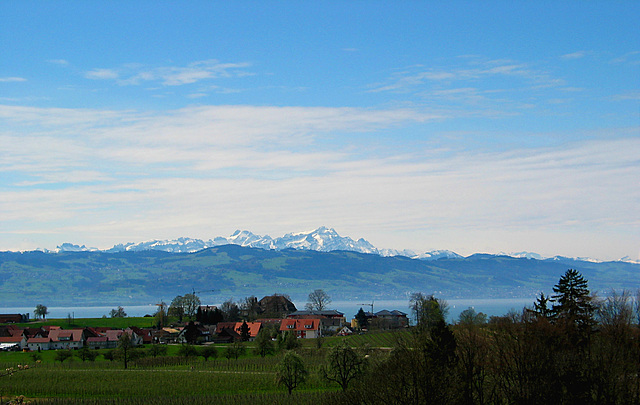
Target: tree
126, 349
176, 308
230, 311
291, 371
191, 303
184, 305
109, 355
157, 350
344, 365
87, 354
41, 311
191, 333
427, 310
213, 317
541, 307
161, 315
187, 351
250, 308
363, 321
318, 300
245, 335
573, 300
263, 344
62, 355
118, 313
235, 350
288, 341
209, 351
470, 317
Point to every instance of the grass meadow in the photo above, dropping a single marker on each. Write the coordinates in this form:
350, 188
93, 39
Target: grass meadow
172, 379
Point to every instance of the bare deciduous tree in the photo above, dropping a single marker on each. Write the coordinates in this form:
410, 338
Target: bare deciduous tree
318, 300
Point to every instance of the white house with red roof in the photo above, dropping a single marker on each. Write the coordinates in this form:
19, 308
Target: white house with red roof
39, 343
17, 342
307, 328
67, 338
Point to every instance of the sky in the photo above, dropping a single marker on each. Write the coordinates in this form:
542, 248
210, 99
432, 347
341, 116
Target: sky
493, 126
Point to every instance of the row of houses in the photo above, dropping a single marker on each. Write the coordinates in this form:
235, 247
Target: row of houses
14, 337
304, 324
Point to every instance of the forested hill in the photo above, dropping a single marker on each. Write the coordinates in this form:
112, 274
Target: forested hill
99, 278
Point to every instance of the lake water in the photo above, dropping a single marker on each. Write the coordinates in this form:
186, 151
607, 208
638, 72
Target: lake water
490, 307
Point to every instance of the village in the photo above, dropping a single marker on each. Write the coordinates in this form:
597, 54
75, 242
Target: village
274, 314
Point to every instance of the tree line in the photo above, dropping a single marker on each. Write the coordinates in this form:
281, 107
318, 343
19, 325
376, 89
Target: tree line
569, 348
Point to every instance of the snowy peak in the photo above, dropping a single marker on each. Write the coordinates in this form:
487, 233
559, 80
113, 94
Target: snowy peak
323, 240
246, 239
180, 245
523, 255
70, 247
438, 254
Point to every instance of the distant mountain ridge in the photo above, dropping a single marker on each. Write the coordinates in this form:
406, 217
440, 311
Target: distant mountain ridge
322, 239
94, 278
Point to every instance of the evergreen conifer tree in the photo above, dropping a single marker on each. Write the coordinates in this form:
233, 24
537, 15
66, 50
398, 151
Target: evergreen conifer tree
573, 302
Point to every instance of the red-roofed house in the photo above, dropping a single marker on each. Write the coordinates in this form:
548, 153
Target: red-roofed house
66, 338
98, 342
113, 336
303, 328
39, 343
144, 334
13, 342
234, 329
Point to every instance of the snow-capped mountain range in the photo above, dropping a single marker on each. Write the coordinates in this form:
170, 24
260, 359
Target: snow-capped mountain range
322, 239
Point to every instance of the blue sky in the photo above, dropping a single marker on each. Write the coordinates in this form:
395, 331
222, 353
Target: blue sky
470, 126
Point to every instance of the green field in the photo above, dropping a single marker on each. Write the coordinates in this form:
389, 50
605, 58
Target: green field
168, 379
117, 323
172, 378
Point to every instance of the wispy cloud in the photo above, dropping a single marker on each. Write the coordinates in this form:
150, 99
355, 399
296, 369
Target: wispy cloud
207, 169
135, 74
574, 55
632, 95
629, 57
102, 74
61, 62
12, 79
412, 78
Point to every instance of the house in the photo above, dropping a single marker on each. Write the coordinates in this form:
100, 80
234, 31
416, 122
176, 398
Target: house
332, 320
230, 331
196, 332
385, 319
14, 318
307, 328
38, 343
166, 335
66, 338
113, 337
13, 342
345, 331
144, 334
390, 319
98, 342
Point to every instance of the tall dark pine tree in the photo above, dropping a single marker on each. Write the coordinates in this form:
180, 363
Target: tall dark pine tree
361, 317
244, 332
573, 302
541, 307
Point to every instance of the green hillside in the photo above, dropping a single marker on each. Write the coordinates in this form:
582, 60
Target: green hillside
98, 278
